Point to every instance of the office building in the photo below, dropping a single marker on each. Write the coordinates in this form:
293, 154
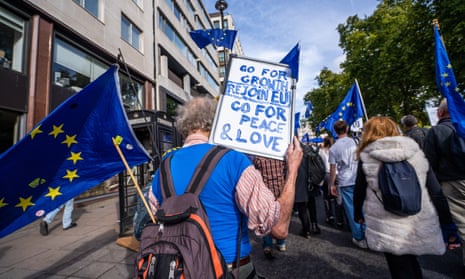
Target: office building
51, 49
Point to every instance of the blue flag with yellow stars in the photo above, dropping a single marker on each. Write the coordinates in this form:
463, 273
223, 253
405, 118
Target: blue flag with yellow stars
309, 109
67, 153
445, 80
216, 36
349, 110
292, 60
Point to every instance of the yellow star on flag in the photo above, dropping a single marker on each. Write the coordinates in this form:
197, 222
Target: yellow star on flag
25, 203
36, 131
71, 175
56, 131
75, 157
53, 192
70, 140
3, 203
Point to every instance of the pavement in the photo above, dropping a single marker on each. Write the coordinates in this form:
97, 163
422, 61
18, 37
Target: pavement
90, 250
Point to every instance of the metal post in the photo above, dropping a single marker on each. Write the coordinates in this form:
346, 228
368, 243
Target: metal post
222, 5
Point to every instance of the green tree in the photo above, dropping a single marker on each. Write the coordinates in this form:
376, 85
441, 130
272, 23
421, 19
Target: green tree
332, 89
391, 54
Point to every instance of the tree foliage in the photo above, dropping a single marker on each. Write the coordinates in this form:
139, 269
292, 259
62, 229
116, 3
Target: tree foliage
391, 54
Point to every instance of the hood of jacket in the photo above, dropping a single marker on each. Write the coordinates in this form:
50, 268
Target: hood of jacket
392, 149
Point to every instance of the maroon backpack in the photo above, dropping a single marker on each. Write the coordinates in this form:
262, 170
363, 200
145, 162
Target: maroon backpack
180, 245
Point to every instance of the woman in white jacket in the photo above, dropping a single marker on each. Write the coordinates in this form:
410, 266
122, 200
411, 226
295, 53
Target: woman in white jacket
401, 239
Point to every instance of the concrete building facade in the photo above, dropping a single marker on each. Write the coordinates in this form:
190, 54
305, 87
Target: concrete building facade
50, 49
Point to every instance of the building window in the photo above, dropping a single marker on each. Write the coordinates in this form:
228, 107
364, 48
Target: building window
132, 93
90, 5
222, 71
130, 33
11, 41
170, 32
216, 24
171, 106
11, 125
139, 3
74, 69
221, 56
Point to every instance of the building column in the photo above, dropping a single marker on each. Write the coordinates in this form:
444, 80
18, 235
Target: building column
186, 82
164, 66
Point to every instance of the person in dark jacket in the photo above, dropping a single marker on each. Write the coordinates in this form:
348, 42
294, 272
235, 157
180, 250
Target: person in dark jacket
305, 199
400, 238
410, 123
450, 174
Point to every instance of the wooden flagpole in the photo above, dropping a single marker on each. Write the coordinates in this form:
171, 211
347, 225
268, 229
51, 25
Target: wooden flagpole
361, 98
139, 191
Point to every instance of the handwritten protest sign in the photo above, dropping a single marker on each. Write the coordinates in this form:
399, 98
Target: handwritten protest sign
255, 111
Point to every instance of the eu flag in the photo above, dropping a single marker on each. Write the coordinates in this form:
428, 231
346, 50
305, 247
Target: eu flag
306, 138
445, 80
67, 153
296, 122
349, 110
309, 109
292, 60
216, 36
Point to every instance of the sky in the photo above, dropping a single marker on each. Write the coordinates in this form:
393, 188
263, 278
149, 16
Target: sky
269, 29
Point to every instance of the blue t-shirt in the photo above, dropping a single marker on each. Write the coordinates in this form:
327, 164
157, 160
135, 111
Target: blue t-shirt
218, 195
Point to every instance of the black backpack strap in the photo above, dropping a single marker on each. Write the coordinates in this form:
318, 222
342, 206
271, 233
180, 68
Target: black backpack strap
166, 183
205, 168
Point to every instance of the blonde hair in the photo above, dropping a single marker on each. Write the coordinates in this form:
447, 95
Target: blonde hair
377, 128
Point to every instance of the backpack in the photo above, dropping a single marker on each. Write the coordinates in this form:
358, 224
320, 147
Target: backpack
180, 245
316, 167
400, 188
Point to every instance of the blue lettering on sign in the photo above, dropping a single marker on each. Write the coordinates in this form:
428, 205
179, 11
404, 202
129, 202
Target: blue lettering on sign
256, 138
259, 94
265, 125
271, 111
269, 86
262, 96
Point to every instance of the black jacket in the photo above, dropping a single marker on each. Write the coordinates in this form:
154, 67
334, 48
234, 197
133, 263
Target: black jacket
437, 149
417, 134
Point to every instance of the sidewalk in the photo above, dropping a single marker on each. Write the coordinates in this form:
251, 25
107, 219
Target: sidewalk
86, 251
90, 251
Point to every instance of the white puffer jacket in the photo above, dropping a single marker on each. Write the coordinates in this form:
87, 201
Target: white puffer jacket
386, 232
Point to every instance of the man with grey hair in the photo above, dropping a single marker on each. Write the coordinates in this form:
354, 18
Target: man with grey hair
235, 195
437, 149
412, 130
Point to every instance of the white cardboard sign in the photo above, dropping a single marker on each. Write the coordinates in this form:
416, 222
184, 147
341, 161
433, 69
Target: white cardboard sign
255, 112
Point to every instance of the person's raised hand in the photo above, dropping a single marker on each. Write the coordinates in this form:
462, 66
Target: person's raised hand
294, 155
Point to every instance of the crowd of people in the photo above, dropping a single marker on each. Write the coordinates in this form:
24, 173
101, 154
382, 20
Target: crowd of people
257, 194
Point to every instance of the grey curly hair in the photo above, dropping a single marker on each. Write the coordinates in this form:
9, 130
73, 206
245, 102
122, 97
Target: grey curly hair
196, 114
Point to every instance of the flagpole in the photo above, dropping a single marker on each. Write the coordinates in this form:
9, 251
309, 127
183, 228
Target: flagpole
141, 195
436, 23
361, 98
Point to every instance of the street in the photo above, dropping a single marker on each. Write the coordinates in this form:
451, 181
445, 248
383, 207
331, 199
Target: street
333, 255
90, 251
